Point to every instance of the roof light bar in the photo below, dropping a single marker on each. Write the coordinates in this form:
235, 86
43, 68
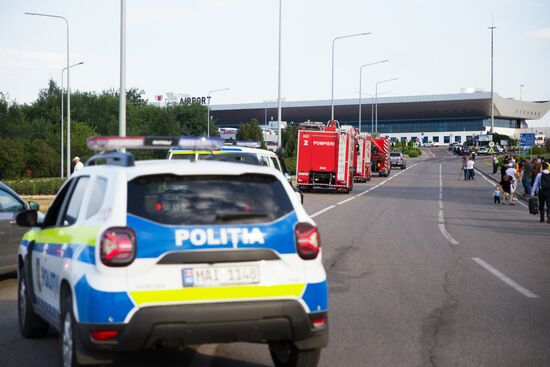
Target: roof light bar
241, 143
106, 143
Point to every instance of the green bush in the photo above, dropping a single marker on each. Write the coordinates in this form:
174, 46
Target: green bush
42, 186
537, 150
412, 152
291, 165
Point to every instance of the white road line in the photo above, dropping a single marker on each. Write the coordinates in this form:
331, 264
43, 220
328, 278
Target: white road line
322, 211
358, 195
441, 215
526, 292
345, 201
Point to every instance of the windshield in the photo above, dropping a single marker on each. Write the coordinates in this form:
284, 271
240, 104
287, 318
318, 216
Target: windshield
209, 199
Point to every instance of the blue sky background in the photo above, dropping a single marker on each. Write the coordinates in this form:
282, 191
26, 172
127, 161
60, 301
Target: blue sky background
193, 46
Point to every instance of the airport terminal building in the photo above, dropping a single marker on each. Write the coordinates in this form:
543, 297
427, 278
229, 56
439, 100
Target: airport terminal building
442, 118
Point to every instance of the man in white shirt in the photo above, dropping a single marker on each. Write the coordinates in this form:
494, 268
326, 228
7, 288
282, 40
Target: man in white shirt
470, 166
78, 165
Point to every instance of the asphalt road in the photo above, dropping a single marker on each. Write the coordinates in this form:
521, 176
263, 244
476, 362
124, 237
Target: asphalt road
424, 270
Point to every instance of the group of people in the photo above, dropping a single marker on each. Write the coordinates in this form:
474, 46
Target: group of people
534, 177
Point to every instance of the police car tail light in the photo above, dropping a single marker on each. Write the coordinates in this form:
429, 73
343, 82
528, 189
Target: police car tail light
318, 322
118, 246
308, 241
103, 335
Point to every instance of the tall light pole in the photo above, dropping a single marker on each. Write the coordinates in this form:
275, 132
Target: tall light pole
372, 107
68, 86
122, 97
62, 126
332, 67
208, 109
376, 101
279, 102
492, 28
521, 92
361, 82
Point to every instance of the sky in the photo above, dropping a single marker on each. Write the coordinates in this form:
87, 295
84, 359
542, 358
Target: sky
193, 46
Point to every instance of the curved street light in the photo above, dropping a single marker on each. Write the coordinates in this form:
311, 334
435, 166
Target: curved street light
360, 85
208, 109
332, 81
62, 126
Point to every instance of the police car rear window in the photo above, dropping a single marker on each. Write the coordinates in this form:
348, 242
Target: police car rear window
208, 199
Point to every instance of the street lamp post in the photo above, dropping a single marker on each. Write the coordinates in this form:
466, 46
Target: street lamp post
372, 107
62, 126
208, 109
122, 96
279, 102
68, 86
332, 67
492, 28
521, 92
361, 82
376, 101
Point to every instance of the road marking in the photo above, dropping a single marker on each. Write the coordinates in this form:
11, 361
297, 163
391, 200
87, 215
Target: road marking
207, 351
526, 292
358, 195
322, 211
441, 215
345, 201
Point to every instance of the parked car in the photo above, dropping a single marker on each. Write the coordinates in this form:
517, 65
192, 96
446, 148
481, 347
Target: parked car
398, 160
10, 234
483, 150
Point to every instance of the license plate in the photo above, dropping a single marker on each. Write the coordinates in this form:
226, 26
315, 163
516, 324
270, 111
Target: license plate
216, 276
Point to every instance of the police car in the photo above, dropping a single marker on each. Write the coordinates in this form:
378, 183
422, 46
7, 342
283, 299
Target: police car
138, 255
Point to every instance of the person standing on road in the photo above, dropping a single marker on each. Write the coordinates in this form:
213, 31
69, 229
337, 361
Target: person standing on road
542, 187
506, 185
511, 171
470, 166
527, 173
494, 160
78, 165
496, 194
465, 167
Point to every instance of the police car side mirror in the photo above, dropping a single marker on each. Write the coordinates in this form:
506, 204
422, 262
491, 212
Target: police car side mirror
27, 218
33, 205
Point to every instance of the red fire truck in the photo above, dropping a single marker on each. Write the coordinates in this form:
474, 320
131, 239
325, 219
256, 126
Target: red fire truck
325, 156
381, 162
362, 159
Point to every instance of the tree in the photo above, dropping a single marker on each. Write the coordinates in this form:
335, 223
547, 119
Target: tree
251, 131
13, 157
43, 160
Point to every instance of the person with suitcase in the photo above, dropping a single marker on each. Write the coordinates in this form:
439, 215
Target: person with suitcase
542, 187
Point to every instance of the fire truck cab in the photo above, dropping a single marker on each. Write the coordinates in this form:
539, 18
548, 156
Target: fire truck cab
325, 156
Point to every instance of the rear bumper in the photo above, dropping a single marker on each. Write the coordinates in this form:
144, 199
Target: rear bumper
178, 325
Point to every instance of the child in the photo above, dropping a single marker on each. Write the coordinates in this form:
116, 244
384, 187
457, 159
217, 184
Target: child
496, 194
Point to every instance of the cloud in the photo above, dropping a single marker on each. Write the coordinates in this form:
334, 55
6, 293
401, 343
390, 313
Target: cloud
13, 58
542, 34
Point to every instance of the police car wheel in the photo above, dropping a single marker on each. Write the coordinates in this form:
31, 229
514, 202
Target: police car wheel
67, 335
287, 355
30, 324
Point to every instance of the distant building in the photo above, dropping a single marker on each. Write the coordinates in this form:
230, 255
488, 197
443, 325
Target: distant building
442, 118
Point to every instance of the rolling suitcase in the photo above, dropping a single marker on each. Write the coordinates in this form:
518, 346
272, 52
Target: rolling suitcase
534, 205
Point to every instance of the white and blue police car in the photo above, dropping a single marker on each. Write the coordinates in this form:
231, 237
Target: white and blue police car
138, 255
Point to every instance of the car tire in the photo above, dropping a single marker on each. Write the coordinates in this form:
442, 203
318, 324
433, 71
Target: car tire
68, 337
30, 324
287, 355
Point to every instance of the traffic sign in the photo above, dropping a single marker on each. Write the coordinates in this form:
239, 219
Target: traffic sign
491, 144
527, 140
